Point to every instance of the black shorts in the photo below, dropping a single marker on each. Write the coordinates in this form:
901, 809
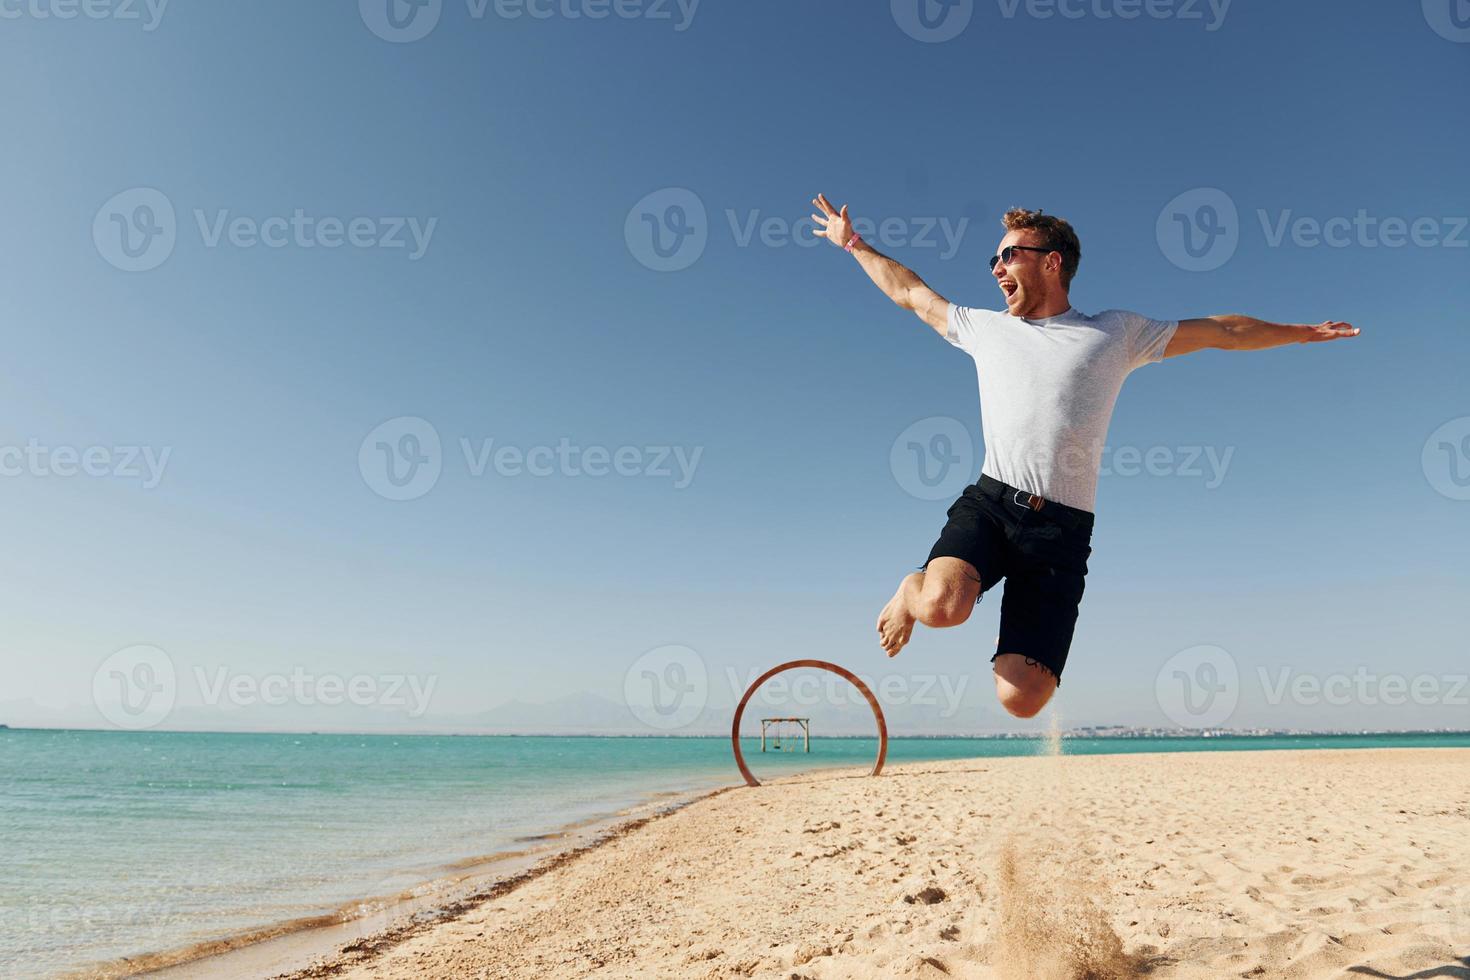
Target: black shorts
1042, 555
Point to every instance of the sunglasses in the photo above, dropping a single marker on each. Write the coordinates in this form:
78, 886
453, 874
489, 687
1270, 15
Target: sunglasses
1009, 252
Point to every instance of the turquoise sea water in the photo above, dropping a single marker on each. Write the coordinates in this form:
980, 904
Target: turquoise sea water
118, 844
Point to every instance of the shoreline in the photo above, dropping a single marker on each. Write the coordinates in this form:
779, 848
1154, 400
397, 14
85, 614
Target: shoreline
290, 947
1101, 732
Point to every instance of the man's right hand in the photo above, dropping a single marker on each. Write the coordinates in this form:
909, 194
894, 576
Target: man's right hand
831, 224
898, 283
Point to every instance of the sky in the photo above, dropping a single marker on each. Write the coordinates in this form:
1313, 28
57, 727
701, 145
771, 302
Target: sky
475, 348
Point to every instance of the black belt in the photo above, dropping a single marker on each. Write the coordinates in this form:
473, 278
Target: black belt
1072, 517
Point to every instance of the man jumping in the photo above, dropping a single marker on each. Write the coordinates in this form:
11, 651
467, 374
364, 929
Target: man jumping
1049, 377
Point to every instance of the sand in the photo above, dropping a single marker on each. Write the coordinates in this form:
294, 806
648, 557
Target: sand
1220, 864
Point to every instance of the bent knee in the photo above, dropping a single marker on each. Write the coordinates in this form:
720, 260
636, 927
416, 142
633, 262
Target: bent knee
1024, 704
1023, 686
939, 611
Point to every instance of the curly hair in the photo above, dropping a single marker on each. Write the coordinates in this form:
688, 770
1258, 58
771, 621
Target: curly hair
1056, 234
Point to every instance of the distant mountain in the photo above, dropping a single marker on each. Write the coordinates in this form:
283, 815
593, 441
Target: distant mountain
580, 713
24, 713
586, 713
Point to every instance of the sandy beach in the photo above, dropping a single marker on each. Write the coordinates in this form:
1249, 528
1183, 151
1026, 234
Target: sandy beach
1251, 864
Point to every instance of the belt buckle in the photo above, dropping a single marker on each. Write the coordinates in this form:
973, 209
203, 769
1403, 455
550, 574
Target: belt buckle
1033, 502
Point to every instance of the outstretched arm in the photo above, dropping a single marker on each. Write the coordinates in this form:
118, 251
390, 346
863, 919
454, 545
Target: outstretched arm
898, 282
1235, 332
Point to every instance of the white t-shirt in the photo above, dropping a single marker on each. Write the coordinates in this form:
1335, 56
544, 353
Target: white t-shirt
1047, 390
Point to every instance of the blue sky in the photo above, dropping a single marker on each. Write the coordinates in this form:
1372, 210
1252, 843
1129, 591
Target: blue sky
528, 314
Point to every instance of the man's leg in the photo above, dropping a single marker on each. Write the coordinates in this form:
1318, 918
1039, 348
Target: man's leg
1023, 685
1038, 614
941, 595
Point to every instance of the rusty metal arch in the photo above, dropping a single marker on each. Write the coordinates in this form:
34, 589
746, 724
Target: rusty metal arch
842, 672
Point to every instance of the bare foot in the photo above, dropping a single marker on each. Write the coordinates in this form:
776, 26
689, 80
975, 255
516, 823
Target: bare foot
895, 622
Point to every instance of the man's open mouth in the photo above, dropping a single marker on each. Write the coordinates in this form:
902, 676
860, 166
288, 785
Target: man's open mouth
1009, 287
